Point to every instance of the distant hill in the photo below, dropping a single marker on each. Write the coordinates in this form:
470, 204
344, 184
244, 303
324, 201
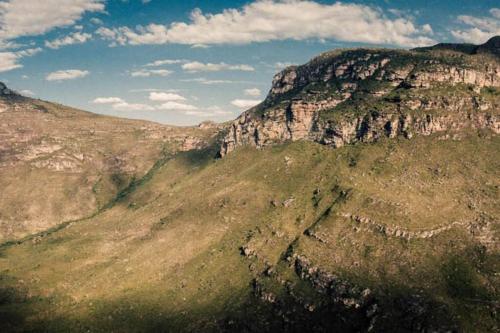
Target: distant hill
492, 46
59, 164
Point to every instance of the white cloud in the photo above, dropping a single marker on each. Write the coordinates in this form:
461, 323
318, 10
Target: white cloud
28, 52
109, 34
20, 18
153, 90
495, 12
203, 80
165, 97
268, 20
74, 38
96, 21
210, 112
478, 29
200, 46
29, 18
197, 66
69, 74
150, 72
245, 103
124, 106
120, 105
9, 60
426, 28
27, 92
164, 62
254, 92
176, 106
107, 100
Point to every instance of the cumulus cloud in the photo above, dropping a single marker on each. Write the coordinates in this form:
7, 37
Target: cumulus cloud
20, 18
210, 112
150, 72
124, 106
107, 100
164, 62
96, 21
172, 103
206, 81
74, 38
478, 30
119, 104
165, 97
27, 92
29, 18
267, 20
177, 106
254, 92
245, 103
153, 90
10, 60
68, 74
28, 52
197, 66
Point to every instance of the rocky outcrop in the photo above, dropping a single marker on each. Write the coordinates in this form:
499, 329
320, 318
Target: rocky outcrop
354, 96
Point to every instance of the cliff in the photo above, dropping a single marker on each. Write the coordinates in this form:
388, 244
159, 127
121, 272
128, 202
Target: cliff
361, 95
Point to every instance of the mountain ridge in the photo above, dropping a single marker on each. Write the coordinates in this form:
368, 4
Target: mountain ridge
329, 99
394, 230
492, 46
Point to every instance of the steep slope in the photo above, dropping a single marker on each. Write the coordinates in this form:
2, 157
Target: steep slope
51, 155
361, 95
394, 235
400, 236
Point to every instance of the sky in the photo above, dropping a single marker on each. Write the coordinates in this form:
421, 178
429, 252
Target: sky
182, 62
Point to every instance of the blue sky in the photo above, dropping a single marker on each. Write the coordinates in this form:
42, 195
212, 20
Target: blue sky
183, 62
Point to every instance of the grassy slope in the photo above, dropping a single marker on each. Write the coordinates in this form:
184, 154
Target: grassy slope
168, 255
105, 154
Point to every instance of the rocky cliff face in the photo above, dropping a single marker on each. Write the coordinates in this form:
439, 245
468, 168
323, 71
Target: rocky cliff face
343, 97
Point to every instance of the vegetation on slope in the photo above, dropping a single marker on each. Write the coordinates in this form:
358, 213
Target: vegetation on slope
246, 243
51, 154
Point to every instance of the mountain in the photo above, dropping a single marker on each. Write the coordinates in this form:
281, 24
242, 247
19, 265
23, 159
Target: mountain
51, 155
371, 205
361, 95
492, 46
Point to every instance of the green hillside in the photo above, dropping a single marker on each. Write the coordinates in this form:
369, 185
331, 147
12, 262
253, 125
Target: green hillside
398, 235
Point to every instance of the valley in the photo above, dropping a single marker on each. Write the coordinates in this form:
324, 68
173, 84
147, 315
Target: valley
360, 196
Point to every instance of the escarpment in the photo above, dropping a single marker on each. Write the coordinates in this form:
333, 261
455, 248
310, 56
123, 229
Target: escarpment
362, 95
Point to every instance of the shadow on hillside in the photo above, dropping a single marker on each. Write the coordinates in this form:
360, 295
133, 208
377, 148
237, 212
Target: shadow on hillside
248, 313
200, 157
